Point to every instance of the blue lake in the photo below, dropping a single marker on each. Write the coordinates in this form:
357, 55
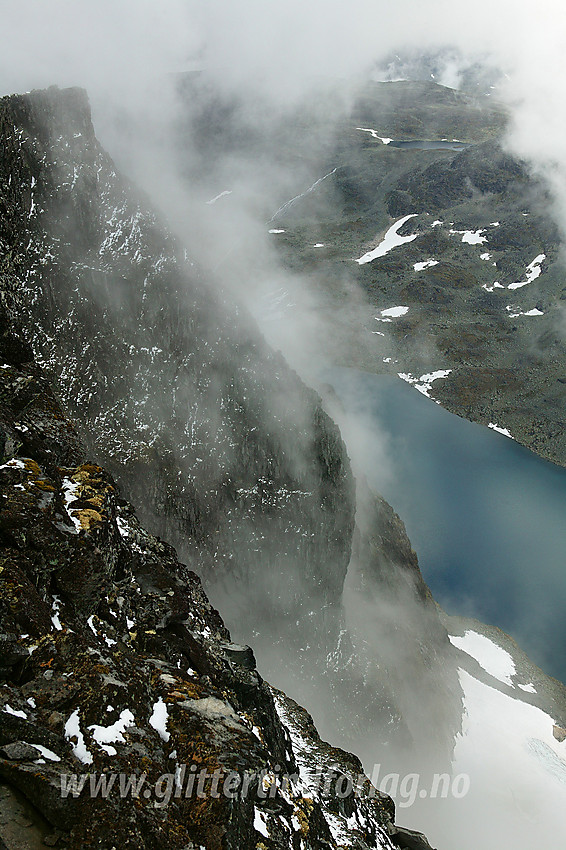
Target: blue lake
486, 516
425, 145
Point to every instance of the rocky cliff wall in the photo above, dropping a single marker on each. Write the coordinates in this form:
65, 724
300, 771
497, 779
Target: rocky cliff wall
220, 446
115, 668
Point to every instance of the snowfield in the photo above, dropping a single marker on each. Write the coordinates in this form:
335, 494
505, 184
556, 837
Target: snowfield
517, 770
507, 747
494, 660
533, 271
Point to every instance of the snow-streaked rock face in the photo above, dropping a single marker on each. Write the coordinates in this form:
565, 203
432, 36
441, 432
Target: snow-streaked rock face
220, 444
223, 448
366, 820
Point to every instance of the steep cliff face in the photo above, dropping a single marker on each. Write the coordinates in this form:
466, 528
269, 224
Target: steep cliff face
212, 435
394, 627
220, 446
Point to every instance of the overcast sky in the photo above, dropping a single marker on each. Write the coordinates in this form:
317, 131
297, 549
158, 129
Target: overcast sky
121, 49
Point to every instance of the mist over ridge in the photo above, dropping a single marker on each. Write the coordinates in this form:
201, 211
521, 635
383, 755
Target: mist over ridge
272, 55
256, 71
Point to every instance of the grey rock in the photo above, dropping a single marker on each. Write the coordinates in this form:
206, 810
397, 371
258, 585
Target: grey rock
242, 655
276, 470
408, 839
20, 751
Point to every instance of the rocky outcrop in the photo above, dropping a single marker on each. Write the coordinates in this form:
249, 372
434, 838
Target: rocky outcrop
221, 447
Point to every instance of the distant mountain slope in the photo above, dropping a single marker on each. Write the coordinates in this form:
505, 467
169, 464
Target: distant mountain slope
482, 277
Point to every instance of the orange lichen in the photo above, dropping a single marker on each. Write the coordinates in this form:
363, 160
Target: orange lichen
89, 518
303, 811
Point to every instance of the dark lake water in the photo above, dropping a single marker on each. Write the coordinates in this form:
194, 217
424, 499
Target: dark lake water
486, 516
425, 145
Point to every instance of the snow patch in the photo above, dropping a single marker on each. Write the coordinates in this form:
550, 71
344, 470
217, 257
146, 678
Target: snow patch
46, 753
14, 712
13, 463
69, 489
123, 527
56, 607
533, 271
73, 730
259, 823
159, 718
373, 134
426, 264
394, 312
472, 237
105, 735
517, 313
504, 431
390, 240
423, 384
217, 197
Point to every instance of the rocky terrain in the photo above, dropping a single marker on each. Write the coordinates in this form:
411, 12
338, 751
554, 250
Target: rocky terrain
113, 661
121, 364
483, 277
225, 451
